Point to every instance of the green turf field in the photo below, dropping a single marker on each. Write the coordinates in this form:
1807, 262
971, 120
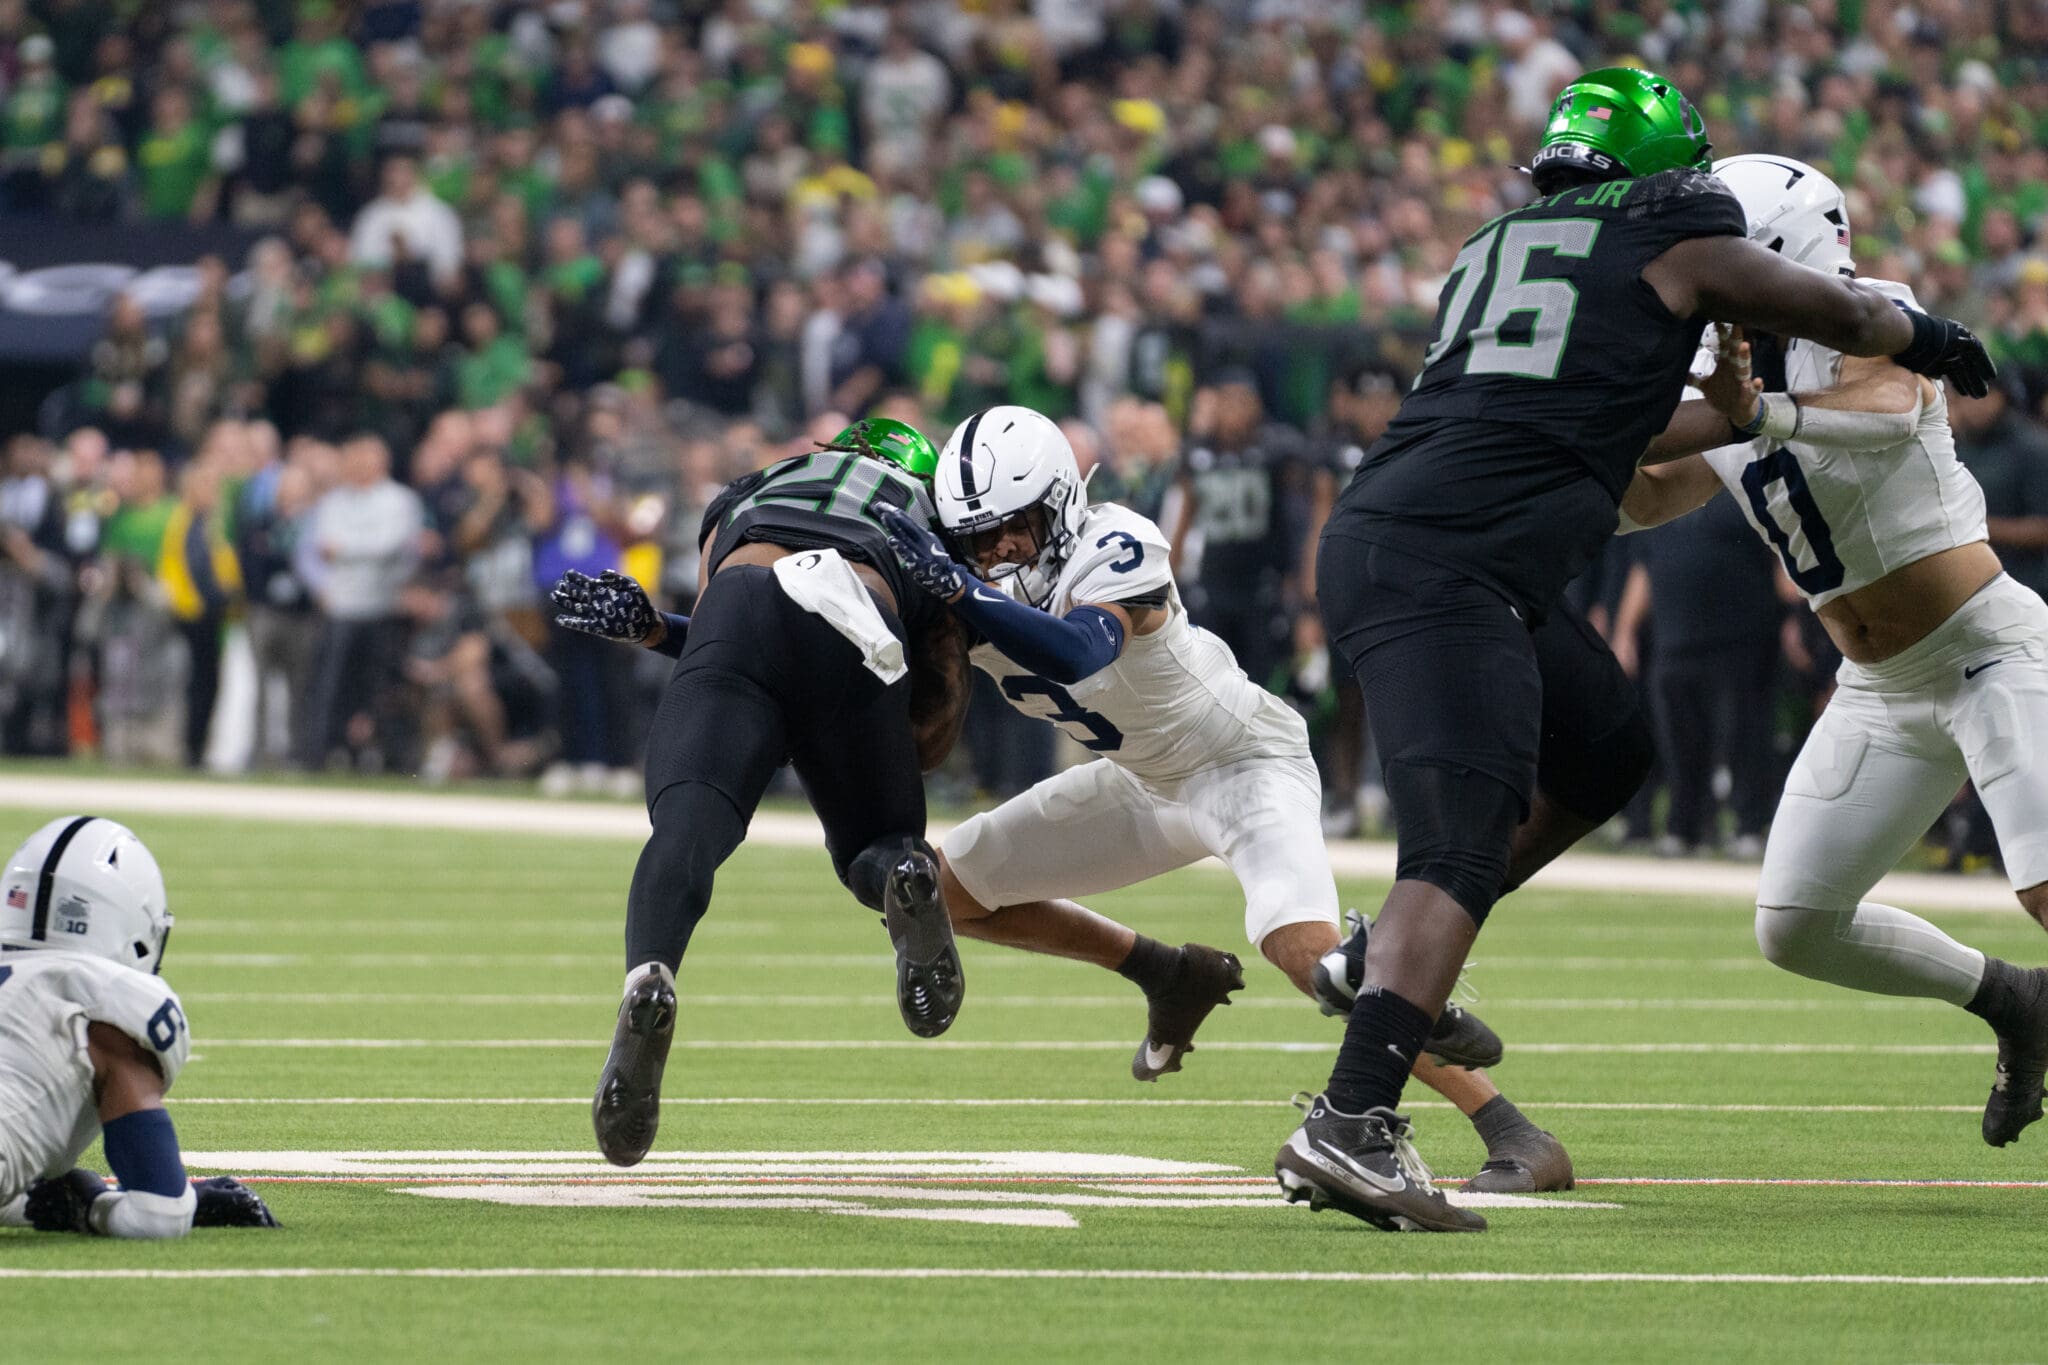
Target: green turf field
455, 992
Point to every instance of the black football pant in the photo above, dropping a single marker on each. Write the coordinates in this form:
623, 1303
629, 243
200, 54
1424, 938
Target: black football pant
762, 682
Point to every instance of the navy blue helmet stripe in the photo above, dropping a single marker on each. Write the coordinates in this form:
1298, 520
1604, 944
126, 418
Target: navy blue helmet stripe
46, 884
967, 488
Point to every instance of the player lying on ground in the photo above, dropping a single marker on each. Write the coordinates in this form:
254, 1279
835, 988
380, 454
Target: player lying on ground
1080, 623
1563, 340
808, 645
1853, 480
91, 1038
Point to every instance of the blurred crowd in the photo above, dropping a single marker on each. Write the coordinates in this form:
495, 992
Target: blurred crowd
534, 279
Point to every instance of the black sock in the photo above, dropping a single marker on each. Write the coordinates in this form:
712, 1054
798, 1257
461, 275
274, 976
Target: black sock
1497, 1119
1381, 1043
1150, 965
1999, 1001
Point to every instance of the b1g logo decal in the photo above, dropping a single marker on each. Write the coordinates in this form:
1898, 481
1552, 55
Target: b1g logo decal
1007, 1189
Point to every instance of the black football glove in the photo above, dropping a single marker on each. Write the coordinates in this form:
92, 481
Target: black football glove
1943, 348
610, 606
924, 556
61, 1203
225, 1202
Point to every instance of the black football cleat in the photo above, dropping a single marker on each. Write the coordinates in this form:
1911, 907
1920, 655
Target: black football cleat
627, 1109
929, 982
2015, 1098
1461, 1038
1366, 1165
1341, 971
1527, 1161
1205, 978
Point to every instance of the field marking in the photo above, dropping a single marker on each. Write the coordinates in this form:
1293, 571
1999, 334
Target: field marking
1076, 1045
1634, 1277
45, 792
1062, 1102
1850, 1001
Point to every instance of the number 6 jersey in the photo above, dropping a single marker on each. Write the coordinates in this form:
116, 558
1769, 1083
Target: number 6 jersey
1842, 519
1175, 701
48, 1116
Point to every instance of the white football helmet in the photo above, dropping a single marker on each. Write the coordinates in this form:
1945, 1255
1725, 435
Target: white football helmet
1792, 208
86, 885
1002, 463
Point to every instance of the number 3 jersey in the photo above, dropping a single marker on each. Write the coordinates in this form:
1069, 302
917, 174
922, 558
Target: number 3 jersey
1554, 365
1842, 519
1175, 701
48, 1116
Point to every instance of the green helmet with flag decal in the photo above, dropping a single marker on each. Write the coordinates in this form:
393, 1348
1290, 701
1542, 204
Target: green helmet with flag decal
882, 438
1616, 123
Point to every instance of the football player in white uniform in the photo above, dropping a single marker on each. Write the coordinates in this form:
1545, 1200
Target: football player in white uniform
1851, 475
90, 1040
1081, 625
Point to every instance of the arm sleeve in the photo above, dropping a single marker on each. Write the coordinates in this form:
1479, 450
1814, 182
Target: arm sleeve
155, 1200
14, 1213
1061, 649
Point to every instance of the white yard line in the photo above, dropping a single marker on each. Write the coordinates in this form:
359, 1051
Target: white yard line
994, 1273
1033, 1102
1837, 1002
51, 794
1074, 1045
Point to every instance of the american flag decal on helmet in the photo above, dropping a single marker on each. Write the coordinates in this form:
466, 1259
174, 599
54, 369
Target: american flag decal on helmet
17, 898
1601, 112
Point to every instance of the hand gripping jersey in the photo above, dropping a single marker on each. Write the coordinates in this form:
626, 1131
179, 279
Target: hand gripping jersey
1554, 365
47, 998
1174, 702
825, 500
1842, 519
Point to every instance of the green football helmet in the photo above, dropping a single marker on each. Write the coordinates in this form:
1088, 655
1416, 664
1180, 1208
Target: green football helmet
881, 438
1615, 124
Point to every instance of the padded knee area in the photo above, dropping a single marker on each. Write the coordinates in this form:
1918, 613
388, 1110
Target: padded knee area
1594, 780
1454, 827
869, 871
1798, 940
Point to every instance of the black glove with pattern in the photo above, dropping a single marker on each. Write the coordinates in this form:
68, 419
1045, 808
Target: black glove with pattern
1943, 348
61, 1203
610, 606
225, 1202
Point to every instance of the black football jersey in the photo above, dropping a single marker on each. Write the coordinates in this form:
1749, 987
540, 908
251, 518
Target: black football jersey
1554, 365
825, 500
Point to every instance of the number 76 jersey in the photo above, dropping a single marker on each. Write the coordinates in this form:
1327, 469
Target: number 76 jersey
1841, 519
1175, 702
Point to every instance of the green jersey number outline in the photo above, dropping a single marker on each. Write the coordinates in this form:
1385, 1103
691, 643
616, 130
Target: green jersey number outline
848, 487
1553, 302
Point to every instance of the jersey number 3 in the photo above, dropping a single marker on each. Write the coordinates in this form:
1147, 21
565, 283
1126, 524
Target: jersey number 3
1062, 710
1550, 305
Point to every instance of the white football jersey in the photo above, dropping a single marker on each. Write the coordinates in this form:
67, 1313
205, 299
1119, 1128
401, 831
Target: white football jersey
1842, 519
1175, 701
47, 997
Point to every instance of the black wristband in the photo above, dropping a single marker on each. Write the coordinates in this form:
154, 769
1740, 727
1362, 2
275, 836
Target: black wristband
1929, 344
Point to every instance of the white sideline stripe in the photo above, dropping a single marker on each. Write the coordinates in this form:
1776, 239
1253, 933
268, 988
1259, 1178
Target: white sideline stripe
50, 793
1849, 1002
993, 1273
1061, 1102
1074, 1045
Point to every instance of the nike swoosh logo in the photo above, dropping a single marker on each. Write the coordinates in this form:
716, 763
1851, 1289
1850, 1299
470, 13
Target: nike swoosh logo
1397, 1052
1969, 673
1157, 1057
1327, 1157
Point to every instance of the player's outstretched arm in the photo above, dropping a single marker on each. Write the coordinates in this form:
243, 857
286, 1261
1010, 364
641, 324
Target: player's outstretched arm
1061, 649
1732, 279
613, 607
1727, 410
